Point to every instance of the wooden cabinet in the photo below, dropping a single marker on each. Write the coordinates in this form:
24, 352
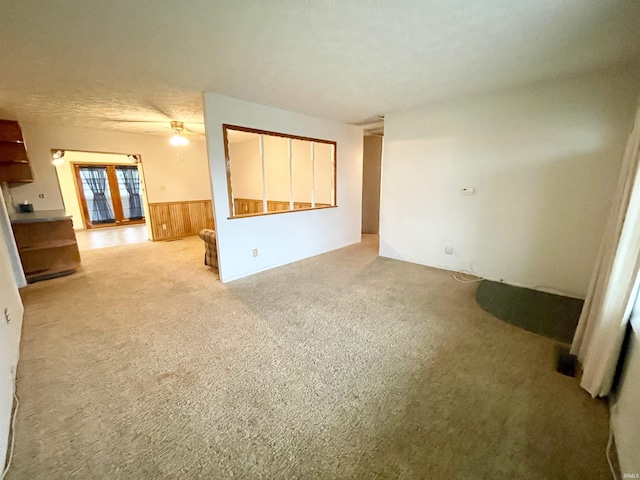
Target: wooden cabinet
14, 162
47, 245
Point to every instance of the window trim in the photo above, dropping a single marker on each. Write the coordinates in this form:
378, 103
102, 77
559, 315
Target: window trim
227, 160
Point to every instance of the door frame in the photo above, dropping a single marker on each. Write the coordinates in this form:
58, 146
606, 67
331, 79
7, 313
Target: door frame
115, 194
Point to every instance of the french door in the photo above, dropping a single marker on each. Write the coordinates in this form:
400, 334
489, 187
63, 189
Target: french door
109, 194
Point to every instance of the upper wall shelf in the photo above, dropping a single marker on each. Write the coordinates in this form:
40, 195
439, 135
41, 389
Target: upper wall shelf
14, 161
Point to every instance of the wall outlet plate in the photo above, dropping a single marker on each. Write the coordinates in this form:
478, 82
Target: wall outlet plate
255, 252
448, 249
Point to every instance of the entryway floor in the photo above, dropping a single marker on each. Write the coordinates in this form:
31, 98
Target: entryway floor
110, 237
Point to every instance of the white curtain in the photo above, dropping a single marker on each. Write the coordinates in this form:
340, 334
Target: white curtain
614, 286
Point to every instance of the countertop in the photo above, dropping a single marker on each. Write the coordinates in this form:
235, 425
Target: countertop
39, 216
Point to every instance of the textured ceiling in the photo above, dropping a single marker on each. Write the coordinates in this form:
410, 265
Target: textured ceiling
91, 62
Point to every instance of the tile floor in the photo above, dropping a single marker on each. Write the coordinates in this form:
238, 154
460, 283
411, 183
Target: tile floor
110, 237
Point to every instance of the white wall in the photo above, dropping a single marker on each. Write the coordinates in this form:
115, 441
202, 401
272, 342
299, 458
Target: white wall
286, 237
169, 178
625, 410
544, 162
246, 169
9, 334
66, 179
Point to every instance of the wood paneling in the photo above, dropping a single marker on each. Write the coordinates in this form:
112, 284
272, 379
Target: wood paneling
250, 206
247, 206
179, 219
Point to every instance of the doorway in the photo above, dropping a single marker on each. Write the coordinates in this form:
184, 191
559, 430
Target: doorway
102, 189
109, 194
371, 175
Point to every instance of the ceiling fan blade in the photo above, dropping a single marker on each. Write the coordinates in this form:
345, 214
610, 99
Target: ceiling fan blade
168, 116
125, 120
154, 106
192, 132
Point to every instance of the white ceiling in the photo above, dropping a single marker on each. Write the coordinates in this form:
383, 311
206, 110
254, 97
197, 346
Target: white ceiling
85, 62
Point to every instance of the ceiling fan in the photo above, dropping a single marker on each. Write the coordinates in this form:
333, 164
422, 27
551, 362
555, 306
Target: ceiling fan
179, 128
178, 140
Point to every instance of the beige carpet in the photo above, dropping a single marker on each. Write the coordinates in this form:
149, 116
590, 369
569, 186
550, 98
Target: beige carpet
342, 366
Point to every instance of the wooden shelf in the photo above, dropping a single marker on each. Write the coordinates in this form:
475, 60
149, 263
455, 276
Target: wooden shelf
10, 131
13, 152
51, 244
14, 161
50, 268
59, 271
15, 172
2, 160
47, 247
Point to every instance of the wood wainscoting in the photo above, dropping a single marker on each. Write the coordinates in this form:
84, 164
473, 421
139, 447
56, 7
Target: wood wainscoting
250, 206
179, 219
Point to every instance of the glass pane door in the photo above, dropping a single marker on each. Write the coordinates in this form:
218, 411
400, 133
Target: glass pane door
109, 194
129, 188
95, 186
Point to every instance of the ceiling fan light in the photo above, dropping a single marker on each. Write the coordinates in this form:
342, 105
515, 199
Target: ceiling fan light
178, 140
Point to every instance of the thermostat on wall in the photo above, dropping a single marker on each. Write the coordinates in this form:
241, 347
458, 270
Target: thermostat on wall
467, 190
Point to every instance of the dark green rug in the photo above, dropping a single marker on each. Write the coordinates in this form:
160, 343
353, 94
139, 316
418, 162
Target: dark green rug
553, 316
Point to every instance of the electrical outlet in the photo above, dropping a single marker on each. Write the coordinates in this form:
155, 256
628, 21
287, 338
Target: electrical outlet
255, 252
41, 195
448, 249
164, 226
7, 317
